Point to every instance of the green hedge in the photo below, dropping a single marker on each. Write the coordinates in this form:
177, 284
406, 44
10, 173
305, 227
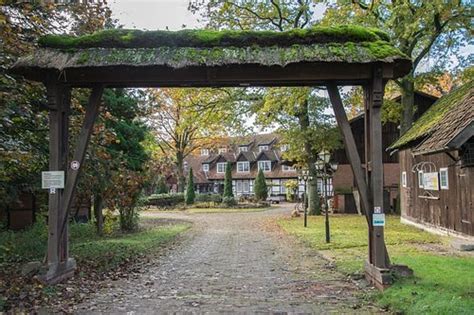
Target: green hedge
165, 200
216, 198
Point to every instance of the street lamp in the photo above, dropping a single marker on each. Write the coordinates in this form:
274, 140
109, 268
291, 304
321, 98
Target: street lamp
305, 177
326, 170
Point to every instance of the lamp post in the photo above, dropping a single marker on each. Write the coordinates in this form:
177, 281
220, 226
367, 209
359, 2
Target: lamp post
305, 177
326, 169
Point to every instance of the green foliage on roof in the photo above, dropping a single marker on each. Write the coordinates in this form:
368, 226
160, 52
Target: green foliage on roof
123, 38
428, 122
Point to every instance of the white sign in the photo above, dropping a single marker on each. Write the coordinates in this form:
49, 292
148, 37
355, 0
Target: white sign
52, 179
378, 219
75, 165
377, 209
431, 181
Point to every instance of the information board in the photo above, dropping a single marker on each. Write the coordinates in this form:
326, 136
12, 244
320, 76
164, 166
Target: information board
52, 179
431, 181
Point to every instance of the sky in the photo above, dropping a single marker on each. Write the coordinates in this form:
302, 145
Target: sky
154, 14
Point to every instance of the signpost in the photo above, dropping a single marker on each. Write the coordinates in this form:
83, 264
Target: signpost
52, 180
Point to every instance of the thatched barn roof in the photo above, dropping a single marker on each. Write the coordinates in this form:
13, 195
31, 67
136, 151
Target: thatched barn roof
438, 129
204, 48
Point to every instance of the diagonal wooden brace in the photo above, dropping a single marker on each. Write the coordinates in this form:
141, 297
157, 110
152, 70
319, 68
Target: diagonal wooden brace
73, 171
351, 148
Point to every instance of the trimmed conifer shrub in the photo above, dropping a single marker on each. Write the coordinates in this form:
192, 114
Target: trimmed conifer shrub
228, 181
260, 187
190, 195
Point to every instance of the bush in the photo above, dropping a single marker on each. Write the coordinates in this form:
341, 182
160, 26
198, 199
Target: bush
165, 200
161, 187
216, 198
228, 202
190, 194
260, 188
228, 181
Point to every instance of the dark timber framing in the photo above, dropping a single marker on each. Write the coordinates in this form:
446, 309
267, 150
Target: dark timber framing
372, 76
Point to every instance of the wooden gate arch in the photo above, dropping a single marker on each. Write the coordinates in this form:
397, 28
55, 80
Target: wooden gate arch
322, 56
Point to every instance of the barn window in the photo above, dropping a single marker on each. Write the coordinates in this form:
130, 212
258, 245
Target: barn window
404, 179
443, 178
420, 179
467, 153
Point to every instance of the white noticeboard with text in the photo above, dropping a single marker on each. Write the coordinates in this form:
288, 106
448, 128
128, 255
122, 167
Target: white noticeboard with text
52, 180
431, 181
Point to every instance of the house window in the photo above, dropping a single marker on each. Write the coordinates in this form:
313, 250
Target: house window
265, 166
263, 148
243, 148
246, 186
222, 150
284, 148
420, 179
205, 167
221, 167
404, 179
239, 186
443, 178
204, 151
286, 168
243, 167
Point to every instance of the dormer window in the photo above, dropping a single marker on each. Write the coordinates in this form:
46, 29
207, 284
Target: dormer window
265, 166
221, 167
205, 167
243, 148
263, 148
204, 152
286, 168
222, 150
243, 167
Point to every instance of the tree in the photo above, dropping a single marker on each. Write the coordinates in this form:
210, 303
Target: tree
190, 194
422, 29
23, 127
184, 119
275, 16
260, 187
302, 124
228, 181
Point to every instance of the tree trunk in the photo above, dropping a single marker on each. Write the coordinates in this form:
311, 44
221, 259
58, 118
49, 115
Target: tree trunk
99, 218
180, 171
313, 195
312, 188
407, 103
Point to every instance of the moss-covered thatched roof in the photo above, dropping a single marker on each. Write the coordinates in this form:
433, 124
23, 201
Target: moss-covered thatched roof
122, 38
441, 122
204, 48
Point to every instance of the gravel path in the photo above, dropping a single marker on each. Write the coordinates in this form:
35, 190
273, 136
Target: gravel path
232, 263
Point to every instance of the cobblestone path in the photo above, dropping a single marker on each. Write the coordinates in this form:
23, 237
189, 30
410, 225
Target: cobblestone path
232, 263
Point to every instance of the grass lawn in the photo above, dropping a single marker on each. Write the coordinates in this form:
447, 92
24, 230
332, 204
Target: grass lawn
103, 253
443, 281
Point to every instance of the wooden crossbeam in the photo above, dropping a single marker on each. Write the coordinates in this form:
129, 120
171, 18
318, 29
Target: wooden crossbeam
74, 169
350, 146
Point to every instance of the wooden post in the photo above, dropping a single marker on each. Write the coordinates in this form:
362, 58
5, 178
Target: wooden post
73, 171
350, 146
376, 154
59, 264
368, 165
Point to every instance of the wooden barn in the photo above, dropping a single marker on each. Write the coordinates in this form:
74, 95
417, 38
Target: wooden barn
346, 194
437, 166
